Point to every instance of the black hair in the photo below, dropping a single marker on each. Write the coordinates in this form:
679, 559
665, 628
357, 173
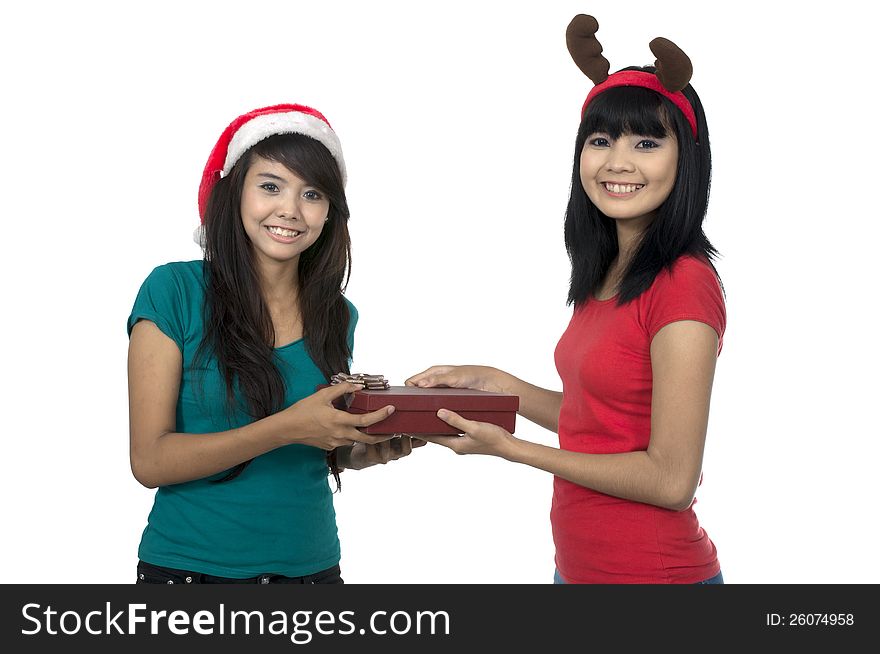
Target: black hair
238, 327
591, 236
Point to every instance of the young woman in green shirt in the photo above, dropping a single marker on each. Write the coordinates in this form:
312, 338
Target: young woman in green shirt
225, 356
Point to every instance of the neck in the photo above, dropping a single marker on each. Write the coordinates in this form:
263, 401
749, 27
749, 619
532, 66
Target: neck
629, 233
279, 282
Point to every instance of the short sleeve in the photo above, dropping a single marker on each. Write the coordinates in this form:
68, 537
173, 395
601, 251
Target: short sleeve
689, 291
352, 323
159, 300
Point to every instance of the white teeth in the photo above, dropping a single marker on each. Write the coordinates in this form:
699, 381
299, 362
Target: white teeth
280, 231
622, 188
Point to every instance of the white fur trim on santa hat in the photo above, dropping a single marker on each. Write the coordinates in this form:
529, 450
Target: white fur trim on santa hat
293, 122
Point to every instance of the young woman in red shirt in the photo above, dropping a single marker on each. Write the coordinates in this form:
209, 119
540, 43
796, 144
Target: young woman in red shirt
637, 360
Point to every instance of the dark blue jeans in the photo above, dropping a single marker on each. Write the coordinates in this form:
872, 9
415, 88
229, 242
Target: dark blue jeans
717, 579
147, 573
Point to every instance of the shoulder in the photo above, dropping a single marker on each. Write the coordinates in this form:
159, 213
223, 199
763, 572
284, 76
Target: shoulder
179, 272
689, 270
171, 296
688, 290
180, 279
352, 323
352, 311
689, 278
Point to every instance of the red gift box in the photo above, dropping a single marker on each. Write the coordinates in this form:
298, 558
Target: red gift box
415, 409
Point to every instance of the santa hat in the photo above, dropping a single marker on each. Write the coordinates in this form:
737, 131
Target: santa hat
249, 129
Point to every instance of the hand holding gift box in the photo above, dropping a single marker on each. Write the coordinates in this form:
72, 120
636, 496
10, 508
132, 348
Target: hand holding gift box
473, 435
415, 409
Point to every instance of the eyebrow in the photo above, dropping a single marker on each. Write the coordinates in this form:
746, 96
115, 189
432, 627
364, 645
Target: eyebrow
270, 176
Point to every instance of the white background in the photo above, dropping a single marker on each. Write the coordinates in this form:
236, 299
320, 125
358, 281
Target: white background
458, 125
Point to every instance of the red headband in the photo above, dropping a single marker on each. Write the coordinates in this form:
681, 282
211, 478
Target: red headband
647, 81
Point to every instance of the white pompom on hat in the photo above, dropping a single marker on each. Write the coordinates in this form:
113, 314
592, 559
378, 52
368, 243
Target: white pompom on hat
249, 129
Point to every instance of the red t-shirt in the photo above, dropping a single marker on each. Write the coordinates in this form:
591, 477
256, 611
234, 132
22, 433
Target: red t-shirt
604, 361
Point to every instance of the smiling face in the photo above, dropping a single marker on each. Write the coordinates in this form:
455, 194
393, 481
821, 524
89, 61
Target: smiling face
281, 214
629, 177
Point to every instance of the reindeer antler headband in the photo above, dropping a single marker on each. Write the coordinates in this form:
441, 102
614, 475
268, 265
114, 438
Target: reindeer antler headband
674, 68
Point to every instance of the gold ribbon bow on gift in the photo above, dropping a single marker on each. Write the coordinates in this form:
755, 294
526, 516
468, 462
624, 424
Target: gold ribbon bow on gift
370, 382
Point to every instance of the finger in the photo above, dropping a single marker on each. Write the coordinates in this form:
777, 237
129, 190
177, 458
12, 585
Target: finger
378, 452
452, 418
428, 378
367, 439
439, 380
373, 454
384, 451
418, 442
367, 419
366, 452
412, 380
400, 447
335, 391
445, 441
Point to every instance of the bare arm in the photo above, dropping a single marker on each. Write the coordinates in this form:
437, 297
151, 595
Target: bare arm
160, 455
683, 356
537, 404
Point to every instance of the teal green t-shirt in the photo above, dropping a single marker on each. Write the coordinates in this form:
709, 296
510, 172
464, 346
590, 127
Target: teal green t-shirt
277, 517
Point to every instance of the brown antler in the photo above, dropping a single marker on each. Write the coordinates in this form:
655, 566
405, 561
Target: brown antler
674, 68
585, 49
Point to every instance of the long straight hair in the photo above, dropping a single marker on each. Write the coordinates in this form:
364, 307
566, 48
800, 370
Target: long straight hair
591, 236
238, 327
